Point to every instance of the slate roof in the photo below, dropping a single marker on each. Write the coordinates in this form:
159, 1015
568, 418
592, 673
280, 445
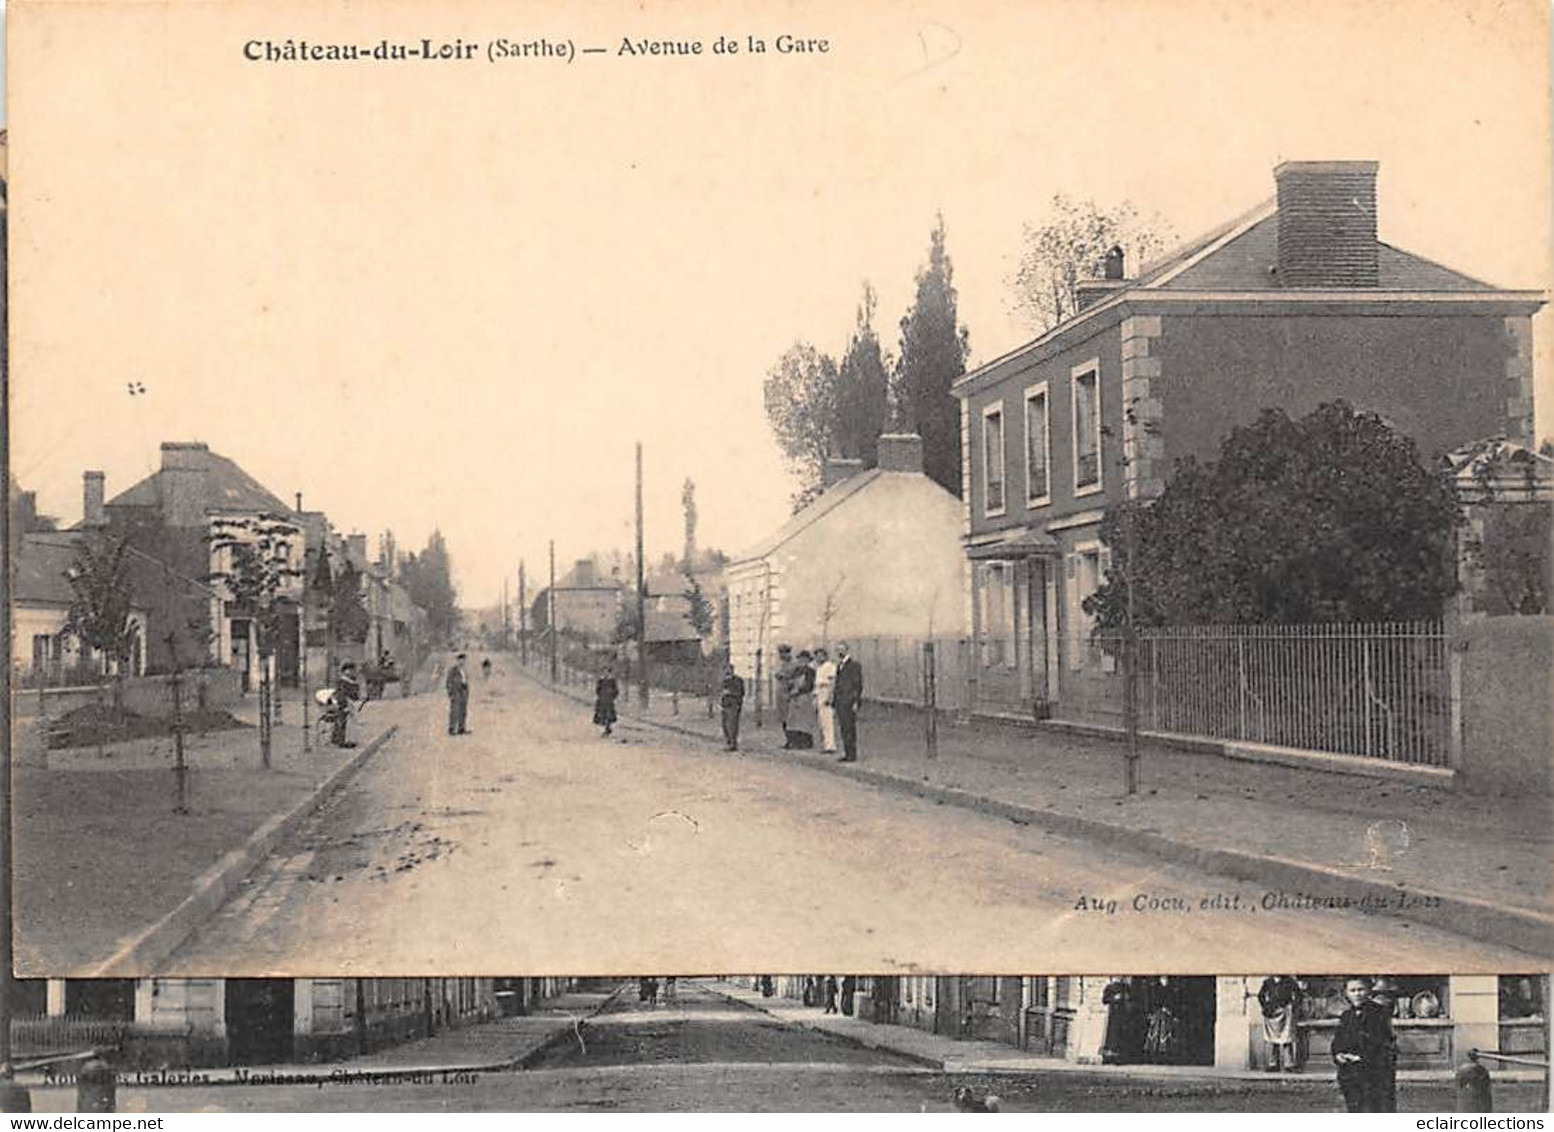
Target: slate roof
829, 500
38, 571
226, 487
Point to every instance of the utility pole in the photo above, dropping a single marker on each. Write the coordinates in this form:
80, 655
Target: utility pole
523, 617
642, 658
550, 610
507, 622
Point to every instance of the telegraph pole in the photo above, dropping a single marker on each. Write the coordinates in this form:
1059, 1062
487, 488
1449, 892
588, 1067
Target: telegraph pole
523, 618
642, 659
507, 623
550, 610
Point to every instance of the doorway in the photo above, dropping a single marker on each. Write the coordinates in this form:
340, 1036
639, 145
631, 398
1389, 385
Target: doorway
261, 1016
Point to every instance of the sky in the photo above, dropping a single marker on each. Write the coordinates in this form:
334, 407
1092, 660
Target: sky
456, 295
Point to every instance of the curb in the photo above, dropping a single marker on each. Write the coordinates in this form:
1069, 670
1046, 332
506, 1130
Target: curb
141, 954
1525, 930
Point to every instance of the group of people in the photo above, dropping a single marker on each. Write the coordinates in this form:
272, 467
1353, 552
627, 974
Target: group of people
648, 989
1145, 1022
816, 693
825, 991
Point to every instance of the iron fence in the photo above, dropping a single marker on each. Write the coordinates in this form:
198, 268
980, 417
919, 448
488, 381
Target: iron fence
1378, 690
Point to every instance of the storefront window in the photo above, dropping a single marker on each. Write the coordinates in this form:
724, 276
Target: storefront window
1522, 996
1418, 996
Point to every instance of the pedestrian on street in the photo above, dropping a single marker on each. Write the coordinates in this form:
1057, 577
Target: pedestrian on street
848, 697
606, 690
1123, 1041
485, 668
458, 697
849, 992
347, 691
781, 679
825, 685
830, 994
669, 989
1365, 1051
732, 702
1279, 998
802, 718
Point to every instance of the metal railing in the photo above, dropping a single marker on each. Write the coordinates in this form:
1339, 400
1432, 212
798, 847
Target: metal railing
1374, 690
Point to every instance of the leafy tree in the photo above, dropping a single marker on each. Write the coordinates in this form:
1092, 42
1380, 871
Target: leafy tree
428, 577
1070, 247
932, 356
625, 623
863, 384
801, 400
1331, 517
100, 615
700, 614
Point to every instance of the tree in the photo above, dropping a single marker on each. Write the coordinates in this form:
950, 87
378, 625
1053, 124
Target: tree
863, 384
1331, 517
101, 613
688, 504
932, 357
1070, 247
700, 613
428, 578
801, 400
259, 572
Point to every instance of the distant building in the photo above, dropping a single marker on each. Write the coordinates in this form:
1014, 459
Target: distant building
586, 604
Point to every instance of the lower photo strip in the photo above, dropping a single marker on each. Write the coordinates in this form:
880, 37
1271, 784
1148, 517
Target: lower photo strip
813, 1042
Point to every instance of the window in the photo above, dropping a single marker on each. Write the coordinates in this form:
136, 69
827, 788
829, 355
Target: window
1086, 386
993, 458
1038, 447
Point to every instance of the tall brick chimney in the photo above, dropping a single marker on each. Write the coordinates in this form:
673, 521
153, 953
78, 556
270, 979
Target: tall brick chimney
901, 452
93, 494
1327, 224
183, 482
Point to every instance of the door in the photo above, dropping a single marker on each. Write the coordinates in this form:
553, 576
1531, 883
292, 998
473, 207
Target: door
261, 1015
241, 657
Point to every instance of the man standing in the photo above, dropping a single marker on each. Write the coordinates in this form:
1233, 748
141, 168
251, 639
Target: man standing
1365, 1051
780, 681
1279, 998
458, 697
848, 697
733, 702
825, 688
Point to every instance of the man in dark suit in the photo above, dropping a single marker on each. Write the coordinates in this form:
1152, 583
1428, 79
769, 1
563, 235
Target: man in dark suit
458, 697
1365, 1051
732, 702
847, 696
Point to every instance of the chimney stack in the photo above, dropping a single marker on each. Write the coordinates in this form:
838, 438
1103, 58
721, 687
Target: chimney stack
93, 494
1327, 224
837, 469
901, 452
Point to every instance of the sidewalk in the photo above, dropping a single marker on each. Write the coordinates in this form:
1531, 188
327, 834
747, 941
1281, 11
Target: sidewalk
956, 1055
101, 859
1477, 866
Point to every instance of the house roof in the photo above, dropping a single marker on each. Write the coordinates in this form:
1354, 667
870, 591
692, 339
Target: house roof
223, 487
1234, 261
42, 560
829, 500
38, 570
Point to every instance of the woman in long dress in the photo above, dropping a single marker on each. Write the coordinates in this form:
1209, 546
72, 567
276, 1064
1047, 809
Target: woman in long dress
1117, 1044
605, 693
802, 717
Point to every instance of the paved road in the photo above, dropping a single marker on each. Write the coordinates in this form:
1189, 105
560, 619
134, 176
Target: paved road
705, 1053
533, 845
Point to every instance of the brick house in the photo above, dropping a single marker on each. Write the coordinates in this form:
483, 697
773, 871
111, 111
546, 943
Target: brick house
1290, 305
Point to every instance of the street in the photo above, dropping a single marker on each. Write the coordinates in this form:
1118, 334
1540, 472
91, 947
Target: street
703, 1052
533, 845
